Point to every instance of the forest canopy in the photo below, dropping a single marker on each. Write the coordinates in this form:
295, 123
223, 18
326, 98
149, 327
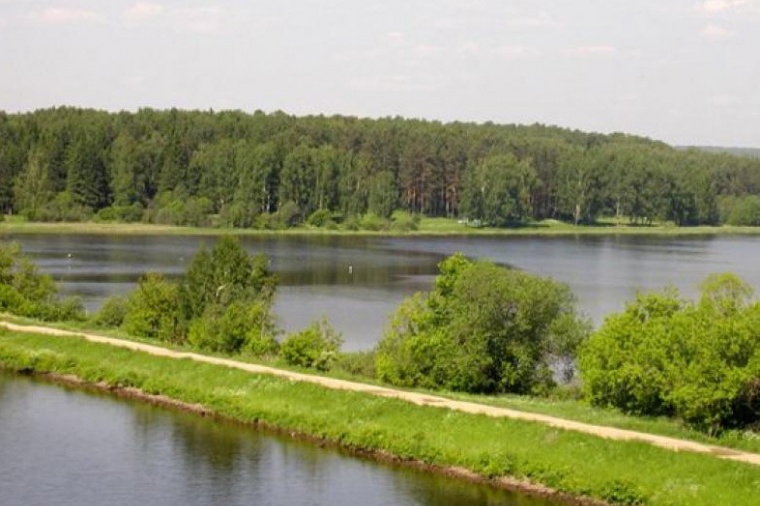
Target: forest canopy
276, 170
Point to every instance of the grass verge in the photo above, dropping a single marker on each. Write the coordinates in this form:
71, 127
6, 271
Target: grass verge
570, 409
427, 227
580, 411
577, 464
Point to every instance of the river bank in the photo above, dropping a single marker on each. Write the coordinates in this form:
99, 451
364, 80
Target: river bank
619, 472
506, 483
427, 227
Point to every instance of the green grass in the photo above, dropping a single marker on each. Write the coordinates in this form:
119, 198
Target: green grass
570, 409
622, 472
427, 226
583, 412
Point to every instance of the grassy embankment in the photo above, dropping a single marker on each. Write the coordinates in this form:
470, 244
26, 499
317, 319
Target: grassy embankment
427, 227
581, 465
564, 407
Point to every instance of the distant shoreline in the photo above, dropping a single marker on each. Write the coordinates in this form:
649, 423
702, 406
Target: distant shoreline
428, 227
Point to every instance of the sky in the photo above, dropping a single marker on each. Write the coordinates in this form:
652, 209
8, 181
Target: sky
683, 71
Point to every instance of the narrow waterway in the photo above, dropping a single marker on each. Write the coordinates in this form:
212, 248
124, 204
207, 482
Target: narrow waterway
66, 447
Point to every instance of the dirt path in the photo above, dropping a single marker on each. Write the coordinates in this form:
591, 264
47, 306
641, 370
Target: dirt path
415, 398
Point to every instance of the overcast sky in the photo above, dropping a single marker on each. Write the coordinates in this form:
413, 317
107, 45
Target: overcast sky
683, 71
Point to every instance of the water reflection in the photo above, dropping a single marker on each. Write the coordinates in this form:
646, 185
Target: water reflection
69, 448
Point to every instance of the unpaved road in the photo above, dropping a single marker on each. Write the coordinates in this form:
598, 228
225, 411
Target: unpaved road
415, 398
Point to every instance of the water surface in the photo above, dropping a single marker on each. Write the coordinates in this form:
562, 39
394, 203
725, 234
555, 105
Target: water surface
70, 448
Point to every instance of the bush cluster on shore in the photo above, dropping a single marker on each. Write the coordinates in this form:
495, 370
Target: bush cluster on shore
222, 304
482, 328
664, 355
26, 292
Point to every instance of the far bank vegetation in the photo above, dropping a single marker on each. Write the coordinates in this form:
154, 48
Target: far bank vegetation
277, 171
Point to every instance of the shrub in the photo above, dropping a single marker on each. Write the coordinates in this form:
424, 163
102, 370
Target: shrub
351, 223
66, 309
181, 210
666, 355
227, 296
314, 347
745, 212
402, 221
483, 328
357, 363
107, 214
26, 292
288, 215
373, 222
154, 310
112, 312
63, 208
132, 213
224, 275
238, 216
320, 218
266, 221
239, 326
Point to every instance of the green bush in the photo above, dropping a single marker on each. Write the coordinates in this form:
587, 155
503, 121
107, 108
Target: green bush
58, 310
181, 210
63, 208
154, 310
373, 222
112, 313
316, 347
225, 275
228, 296
351, 223
320, 218
483, 328
288, 215
357, 363
745, 212
26, 292
665, 355
132, 213
237, 327
402, 221
239, 216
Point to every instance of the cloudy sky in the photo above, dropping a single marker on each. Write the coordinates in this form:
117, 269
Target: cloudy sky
683, 71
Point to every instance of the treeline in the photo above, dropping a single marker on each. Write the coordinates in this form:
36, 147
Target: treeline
276, 170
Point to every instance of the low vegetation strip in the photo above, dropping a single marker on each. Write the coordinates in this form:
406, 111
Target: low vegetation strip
426, 227
412, 397
529, 454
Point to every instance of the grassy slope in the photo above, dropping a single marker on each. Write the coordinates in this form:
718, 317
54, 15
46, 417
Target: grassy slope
569, 409
571, 462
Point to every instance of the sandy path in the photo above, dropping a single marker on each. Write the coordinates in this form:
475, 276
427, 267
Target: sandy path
415, 398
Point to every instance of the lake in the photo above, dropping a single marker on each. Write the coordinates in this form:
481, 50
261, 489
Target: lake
357, 282
66, 447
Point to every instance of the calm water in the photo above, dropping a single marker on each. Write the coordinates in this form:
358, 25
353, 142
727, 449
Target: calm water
315, 278
69, 448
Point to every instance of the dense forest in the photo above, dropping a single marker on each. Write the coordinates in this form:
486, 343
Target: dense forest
276, 170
